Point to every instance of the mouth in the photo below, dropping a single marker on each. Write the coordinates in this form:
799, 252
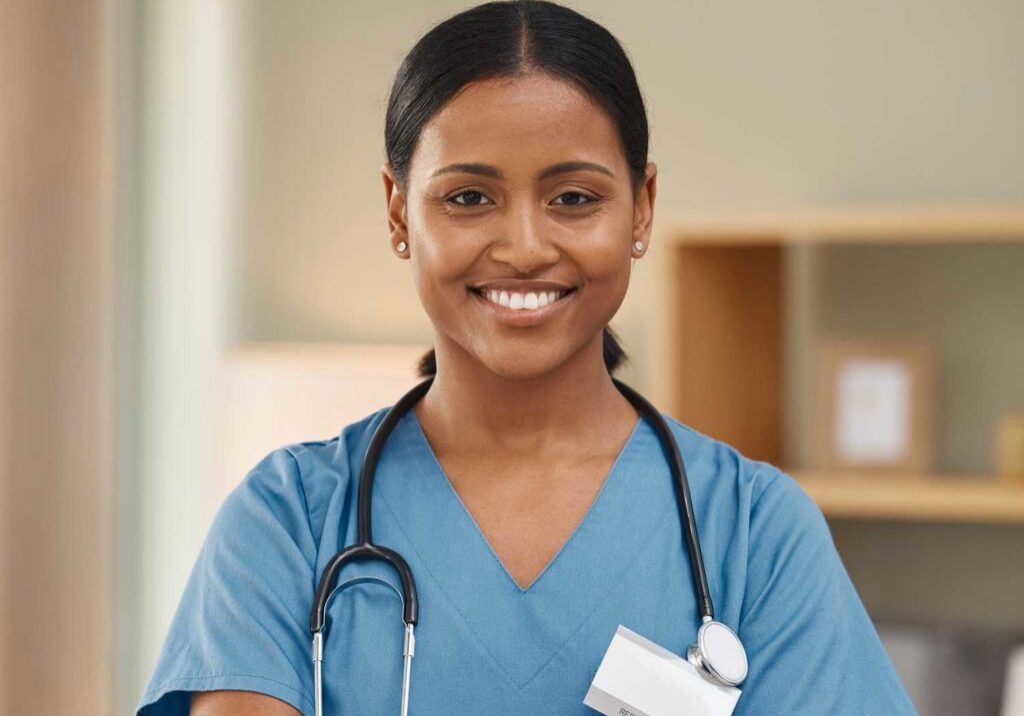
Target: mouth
522, 308
522, 300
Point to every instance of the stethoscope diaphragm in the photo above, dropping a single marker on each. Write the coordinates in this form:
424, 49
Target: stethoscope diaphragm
718, 654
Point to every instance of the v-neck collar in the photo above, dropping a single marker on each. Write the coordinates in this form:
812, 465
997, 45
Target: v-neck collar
521, 630
438, 470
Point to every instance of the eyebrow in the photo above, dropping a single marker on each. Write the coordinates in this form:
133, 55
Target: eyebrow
489, 170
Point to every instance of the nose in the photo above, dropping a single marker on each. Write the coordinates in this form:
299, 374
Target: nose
524, 244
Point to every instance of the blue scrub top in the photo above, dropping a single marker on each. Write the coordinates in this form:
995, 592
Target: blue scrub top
484, 645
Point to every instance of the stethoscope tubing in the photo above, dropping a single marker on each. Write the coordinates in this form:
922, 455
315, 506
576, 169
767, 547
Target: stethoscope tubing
684, 500
365, 549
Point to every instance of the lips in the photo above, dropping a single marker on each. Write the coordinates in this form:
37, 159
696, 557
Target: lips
522, 308
523, 300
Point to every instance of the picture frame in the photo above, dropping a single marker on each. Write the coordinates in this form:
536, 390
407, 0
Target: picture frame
874, 405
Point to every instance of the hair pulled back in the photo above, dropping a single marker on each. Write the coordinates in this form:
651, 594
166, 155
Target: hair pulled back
508, 38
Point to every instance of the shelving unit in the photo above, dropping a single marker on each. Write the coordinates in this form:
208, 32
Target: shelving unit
718, 356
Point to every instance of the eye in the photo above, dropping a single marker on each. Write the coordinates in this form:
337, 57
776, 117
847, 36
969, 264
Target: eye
471, 196
577, 199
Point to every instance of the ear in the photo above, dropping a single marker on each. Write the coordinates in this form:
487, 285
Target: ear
397, 227
643, 210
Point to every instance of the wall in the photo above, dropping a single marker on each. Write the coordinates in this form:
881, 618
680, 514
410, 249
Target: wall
752, 105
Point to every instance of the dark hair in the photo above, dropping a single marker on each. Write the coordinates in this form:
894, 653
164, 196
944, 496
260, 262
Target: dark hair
513, 37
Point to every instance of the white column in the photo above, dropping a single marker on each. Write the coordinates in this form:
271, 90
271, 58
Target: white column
186, 99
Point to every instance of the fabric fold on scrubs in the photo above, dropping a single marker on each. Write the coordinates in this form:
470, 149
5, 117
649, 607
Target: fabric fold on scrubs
486, 645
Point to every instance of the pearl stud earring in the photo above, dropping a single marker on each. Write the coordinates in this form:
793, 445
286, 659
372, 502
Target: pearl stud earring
639, 246
401, 246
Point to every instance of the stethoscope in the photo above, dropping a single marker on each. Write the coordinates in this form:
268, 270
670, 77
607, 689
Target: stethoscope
717, 654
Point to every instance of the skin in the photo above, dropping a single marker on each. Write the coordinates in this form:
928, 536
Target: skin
525, 421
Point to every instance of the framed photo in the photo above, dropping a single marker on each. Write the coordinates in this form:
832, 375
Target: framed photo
874, 405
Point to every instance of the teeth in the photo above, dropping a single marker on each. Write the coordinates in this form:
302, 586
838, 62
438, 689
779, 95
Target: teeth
523, 301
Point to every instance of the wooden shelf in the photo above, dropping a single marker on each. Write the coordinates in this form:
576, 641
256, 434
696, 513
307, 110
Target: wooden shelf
871, 225
910, 497
718, 354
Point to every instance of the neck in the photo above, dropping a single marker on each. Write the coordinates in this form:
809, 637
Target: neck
469, 407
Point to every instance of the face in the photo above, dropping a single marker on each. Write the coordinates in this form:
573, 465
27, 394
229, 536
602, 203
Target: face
520, 220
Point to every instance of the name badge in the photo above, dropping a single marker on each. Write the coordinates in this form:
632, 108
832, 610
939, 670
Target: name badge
639, 678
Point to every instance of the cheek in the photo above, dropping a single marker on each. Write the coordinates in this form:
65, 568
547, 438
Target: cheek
442, 251
604, 255
439, 266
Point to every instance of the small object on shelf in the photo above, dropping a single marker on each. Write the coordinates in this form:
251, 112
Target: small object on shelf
874, 405
1010, 448
1013, 685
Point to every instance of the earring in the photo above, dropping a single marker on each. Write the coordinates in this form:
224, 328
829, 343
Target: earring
639, 246
401, 246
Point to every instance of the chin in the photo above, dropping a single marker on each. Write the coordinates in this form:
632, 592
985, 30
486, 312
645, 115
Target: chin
513, 366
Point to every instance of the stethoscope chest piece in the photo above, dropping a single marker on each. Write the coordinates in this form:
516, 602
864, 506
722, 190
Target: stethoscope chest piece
718, 654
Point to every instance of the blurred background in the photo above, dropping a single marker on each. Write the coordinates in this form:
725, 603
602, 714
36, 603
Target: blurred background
194, 270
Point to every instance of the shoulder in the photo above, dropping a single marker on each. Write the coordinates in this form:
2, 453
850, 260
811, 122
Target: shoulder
709, 459
302, 479
314, 458
770, 507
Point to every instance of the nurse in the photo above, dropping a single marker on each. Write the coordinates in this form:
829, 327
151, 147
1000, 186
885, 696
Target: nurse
533, 504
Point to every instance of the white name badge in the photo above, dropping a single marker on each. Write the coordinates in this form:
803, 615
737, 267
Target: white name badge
639, 678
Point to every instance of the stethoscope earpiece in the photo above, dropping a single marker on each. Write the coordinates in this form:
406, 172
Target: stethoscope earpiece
718, 655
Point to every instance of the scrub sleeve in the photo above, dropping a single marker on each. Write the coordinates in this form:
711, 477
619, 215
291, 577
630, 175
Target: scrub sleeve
243, 622
812, 647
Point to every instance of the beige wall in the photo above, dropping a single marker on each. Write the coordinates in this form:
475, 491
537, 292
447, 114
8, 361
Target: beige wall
56, 338
753, 105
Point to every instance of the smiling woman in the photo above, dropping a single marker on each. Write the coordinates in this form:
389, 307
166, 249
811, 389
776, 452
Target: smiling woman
561, 198
534, 505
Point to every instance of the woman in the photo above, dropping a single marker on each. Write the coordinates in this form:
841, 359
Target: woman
534, 505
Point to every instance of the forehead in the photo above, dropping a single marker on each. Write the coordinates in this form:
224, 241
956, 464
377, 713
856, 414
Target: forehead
525, 121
